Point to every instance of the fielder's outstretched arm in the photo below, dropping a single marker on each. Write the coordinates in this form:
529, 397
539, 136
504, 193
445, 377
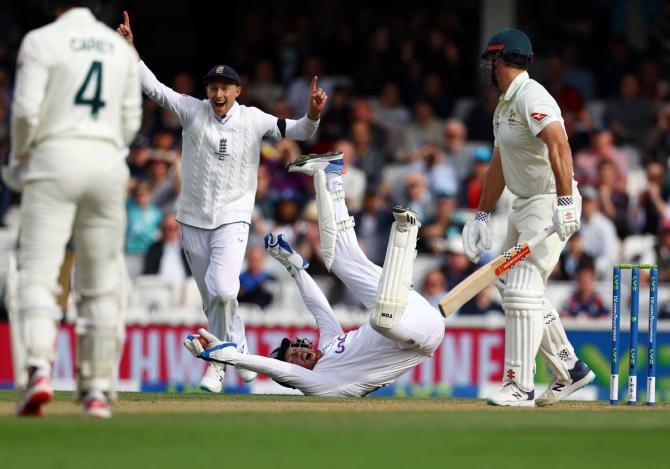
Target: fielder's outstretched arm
317, 304
310, 382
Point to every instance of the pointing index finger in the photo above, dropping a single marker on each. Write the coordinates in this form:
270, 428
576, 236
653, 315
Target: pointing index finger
314, 79
126, 19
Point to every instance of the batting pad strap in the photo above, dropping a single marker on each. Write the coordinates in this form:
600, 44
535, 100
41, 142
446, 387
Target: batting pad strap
337, 194
555, 347
344, 225
523, 299
396, 279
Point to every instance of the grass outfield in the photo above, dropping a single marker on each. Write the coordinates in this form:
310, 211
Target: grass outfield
205, 431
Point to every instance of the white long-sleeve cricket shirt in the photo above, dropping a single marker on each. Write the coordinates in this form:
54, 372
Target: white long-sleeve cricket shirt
220, 157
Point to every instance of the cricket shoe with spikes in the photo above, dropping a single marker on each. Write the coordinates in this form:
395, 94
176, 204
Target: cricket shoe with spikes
510, 395
96, 405
332, 162
405, 218
580, 376
38, 393
212, 380
280, 249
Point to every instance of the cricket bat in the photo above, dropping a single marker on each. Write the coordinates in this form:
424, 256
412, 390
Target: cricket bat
487, 274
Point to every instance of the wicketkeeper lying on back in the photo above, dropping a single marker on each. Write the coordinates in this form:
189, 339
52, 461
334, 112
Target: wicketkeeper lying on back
403, 330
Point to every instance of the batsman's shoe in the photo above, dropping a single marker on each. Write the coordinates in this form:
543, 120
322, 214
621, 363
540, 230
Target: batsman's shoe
246, 375
580, 376
212, 381
280, 249
332, 162
405, 218
37, 393
96, 405
511, 396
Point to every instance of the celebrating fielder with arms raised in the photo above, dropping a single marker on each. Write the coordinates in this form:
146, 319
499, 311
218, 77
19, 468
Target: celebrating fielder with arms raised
220, 157
532, 158
403, 330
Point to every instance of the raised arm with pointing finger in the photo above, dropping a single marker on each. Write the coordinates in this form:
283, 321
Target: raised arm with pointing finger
220, 157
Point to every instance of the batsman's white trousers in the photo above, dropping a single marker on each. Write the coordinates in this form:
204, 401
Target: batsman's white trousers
216, 257
75, 188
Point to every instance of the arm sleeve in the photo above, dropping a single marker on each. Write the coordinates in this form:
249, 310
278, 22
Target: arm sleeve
317, 304
32, 77
131, 108
184, 107
308, 381
301, 129
539, 111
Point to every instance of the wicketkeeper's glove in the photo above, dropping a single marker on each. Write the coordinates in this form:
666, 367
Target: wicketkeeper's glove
214, 350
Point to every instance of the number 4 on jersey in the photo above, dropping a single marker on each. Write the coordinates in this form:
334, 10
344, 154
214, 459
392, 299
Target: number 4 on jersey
94, 75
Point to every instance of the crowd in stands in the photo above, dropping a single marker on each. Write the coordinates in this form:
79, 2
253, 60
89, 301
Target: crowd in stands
410, 113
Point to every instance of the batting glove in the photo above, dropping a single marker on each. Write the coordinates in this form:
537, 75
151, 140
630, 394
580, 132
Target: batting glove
477, 236
565, 219
215, 350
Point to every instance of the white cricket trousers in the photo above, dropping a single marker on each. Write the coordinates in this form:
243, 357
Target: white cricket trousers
216, 257
75, 189
422, 326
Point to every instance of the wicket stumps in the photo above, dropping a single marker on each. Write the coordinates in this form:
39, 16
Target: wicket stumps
634, 316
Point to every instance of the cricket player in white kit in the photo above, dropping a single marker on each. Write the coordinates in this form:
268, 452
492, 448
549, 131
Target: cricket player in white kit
533, 159
403, 330
77, 106
220, 157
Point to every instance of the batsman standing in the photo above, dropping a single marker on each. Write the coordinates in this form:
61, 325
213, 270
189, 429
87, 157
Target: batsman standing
77, 106
220, 157
533, 159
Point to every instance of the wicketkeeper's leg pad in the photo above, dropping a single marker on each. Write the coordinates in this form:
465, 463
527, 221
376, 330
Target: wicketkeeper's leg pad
396, 278
98, 327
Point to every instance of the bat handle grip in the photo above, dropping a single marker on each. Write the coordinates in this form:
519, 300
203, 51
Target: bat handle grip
538, 238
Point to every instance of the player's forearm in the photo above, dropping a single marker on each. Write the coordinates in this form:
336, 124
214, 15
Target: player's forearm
494, 184
317, 304
23, 134
301, 129
560, 157
293, 375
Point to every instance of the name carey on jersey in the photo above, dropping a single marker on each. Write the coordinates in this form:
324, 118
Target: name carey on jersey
91, 44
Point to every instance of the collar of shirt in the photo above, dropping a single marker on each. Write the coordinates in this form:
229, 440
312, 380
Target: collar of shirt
520, 79
76, 14
233, 110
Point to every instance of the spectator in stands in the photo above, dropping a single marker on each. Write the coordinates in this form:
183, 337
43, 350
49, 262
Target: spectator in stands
296, 184
308, 240
598, 233
439, 170
482, 304
389, 113
264, 202
652, 203
613, 198
425, 128
140, 151
434, 287
601, 147
478, 119
164, 139
662, 251
335, 125
299, 92
369, 157
618, 60
456, 266
355, 182
570, 257
657, 146
362, 111
255, 280
144, 219
163, 171
628, 115
264, 89
437, 230
585, 302
287, 209
455, 147
471, 188
372, 225
417, 196
165, 257
434, 93
568, 96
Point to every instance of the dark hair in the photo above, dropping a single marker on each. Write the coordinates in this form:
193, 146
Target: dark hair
586, 262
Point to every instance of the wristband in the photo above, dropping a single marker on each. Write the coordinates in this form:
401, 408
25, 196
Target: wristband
482, 216
563, 200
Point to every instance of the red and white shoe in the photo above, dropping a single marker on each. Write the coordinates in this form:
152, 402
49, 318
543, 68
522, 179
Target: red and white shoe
96, 405
37, 393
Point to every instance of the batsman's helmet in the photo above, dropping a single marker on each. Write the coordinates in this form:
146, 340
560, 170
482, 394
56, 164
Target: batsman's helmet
512, 45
